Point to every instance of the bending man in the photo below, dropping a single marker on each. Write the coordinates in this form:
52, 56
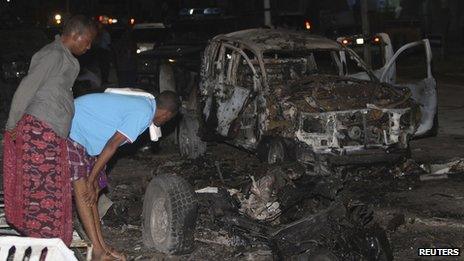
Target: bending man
102, 123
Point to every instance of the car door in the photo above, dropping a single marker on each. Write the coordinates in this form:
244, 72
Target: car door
423, 90
230, 99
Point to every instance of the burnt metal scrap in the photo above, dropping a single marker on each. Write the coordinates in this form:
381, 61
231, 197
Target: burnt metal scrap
339, 229
310, 219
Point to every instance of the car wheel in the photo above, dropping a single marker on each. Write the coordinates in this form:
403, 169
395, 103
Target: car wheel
169, 215
190, 145
271, 150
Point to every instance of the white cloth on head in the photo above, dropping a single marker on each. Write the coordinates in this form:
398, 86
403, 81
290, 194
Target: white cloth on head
155, 131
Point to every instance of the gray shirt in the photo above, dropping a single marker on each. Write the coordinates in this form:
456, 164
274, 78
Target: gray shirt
46, 91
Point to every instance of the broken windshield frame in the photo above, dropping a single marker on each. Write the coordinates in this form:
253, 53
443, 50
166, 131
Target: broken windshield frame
360, 63
281, 67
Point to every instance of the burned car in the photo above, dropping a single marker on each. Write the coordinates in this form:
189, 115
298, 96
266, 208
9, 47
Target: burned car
293, 95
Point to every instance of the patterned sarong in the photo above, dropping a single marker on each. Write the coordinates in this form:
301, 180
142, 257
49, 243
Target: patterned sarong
82, 163
36, 181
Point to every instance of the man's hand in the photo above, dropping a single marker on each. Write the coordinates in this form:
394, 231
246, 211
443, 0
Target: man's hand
92, 190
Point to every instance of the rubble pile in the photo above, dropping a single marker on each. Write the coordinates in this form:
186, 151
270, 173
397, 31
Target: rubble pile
285, 210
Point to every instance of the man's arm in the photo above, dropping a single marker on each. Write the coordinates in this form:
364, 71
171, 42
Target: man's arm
108, 151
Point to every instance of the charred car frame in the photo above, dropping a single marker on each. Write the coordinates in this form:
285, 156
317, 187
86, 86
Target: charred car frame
293, 95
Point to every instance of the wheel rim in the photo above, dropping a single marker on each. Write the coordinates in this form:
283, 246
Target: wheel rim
159, 220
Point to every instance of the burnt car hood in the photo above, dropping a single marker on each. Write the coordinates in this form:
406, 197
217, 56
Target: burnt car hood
325, 93
330, 113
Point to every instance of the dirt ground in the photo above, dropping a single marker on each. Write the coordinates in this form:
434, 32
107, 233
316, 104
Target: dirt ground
415, 213
432, 210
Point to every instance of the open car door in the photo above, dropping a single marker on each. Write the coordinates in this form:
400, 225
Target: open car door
424, 91
232, 97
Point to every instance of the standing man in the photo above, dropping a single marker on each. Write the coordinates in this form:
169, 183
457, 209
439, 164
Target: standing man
102, 123
36, 174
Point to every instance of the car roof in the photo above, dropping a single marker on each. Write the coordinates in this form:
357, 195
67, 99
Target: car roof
262, 40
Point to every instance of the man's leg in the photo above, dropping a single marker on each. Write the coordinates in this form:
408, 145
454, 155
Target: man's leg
108, 248
87, 217
91, 221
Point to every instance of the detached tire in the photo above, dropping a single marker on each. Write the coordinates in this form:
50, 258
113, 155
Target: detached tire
190, 145
169, 215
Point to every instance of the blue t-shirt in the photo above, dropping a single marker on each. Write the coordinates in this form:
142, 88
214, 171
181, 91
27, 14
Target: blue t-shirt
98, 116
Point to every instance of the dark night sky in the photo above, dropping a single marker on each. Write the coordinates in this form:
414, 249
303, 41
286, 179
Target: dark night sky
439, 15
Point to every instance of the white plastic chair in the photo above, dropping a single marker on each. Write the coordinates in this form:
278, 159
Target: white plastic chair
56, 249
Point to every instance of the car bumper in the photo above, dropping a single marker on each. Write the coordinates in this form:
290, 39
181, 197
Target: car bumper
340, 157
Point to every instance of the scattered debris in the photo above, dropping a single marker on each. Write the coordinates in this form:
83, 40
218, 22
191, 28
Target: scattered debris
407, 168
454, 166
219, 237
261, 203
427, 171
104, 204
397, 220
439, 222
426, 177
207, 190
286, 210
218, 168
257, 255
273, 212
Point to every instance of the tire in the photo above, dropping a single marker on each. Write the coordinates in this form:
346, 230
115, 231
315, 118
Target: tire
190, 145
169, 215
271, 150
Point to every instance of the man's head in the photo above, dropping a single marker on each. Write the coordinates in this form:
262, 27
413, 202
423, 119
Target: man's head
78, 34
167, 106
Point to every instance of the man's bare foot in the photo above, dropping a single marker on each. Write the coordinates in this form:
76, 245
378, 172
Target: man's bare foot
118, 255
102, 256
115, 253
107, 256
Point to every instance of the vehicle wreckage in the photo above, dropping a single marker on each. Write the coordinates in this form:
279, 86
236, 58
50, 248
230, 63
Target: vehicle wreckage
288, 95
293, 95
